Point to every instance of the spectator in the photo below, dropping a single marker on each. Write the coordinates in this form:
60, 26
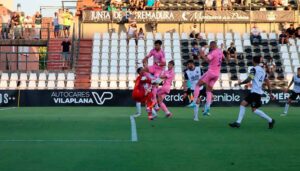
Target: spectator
65, 51
283, 38
276, 3
209, 4
226, 5
195, 51
15, 24
141, 34
141, 5
116, 3
132, 32
297, 33
55, 23
5, 18
255, 34
156, 5
231, 52
270, 68
150, 4
61, 22
224, 50
194, 30
68, 18
291, 31
37, 25
28, 27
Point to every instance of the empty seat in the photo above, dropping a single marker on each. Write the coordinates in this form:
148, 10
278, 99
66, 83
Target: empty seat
31, 84
70, 76
3, 84
61, 76
70, 85
14, 76
42, 77
60, 84
51, 84
41, 84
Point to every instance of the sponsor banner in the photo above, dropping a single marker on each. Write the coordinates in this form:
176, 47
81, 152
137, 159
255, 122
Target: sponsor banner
123, 98
189, 16
8, 98
273, 16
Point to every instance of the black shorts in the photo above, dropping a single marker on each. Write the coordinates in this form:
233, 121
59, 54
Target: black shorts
294, 95
202, 92
254, 100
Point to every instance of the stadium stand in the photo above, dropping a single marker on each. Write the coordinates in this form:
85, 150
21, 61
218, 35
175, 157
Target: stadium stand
115, 69
40, 80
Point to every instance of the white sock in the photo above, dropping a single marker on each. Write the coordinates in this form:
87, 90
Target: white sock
241, 114
286, 108
196, 111
138, 108
154, 112
263, 115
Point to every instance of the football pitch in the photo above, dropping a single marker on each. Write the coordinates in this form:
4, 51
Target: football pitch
104, 139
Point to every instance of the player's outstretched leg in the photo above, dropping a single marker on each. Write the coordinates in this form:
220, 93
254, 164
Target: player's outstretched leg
238, 122
138, 109
163, 105
286, 108
265, 116
209, 96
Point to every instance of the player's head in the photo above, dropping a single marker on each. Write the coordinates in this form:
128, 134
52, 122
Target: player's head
190, 64
298, 71
157, 44
171, 64
140, 70
212, 45
195, 44
257, 60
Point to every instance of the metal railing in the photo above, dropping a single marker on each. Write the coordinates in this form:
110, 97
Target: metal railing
31, 32
36, 61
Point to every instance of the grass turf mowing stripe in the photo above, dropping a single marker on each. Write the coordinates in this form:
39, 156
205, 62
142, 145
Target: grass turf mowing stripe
134, 137
8, 108
57, 140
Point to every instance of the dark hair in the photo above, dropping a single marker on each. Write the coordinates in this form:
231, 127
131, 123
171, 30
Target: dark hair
158, 42
298, 68
190, 61
139, 70
194, 43
213, 42
172, 62
256, 59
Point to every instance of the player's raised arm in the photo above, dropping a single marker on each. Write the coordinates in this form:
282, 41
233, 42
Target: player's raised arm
248, 79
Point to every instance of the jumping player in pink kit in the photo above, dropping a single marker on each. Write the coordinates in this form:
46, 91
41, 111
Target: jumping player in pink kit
159, 59
215, 58
168, 77
158, 67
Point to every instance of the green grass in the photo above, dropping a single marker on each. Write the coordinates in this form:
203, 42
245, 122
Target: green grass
164, 145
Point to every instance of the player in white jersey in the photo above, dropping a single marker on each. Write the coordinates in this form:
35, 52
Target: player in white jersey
295, 92
258, 76
191, 77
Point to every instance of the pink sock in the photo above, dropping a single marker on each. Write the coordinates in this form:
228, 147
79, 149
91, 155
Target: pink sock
164, 107
196, 93
208, 97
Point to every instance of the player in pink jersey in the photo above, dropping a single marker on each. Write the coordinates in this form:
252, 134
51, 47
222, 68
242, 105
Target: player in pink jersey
168, 77
215, 58
158, 67
159, 59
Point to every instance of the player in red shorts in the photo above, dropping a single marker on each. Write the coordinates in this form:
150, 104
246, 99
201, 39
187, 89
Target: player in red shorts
142, 92
168, 77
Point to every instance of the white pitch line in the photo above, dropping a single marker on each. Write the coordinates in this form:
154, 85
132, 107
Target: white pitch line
134, 137
8, 108
57, 140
